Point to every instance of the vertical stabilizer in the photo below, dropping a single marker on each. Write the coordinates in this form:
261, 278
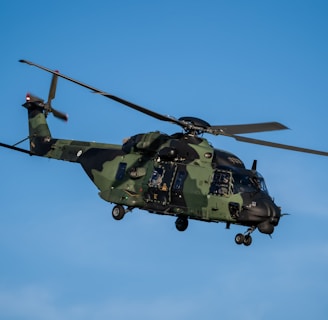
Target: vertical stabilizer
38, 110
39, 133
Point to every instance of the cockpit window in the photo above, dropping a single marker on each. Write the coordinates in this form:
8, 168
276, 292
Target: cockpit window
248, 183
261, 181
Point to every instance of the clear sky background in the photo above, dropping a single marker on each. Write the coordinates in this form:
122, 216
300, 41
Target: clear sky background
62, 256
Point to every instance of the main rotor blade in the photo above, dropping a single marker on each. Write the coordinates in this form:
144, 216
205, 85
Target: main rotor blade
249, 128
110, 96
279, 145
8, 146
228, 130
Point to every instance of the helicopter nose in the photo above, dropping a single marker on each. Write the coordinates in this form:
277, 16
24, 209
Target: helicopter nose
273, 212
263, 213
271, 215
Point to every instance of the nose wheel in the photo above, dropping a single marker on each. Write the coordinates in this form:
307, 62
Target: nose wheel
246, 238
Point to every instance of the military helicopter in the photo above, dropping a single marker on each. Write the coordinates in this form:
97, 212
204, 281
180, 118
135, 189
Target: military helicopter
180, 175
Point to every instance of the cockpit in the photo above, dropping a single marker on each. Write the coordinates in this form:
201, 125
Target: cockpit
227, 181
248, 181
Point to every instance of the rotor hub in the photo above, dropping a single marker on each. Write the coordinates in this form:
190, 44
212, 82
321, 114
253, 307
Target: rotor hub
193, 125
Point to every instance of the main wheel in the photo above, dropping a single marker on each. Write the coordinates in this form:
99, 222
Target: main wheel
181, 224
239, 238
118, 212
248, 240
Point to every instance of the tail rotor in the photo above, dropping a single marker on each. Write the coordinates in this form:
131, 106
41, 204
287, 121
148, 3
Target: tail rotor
52, 94
47, 107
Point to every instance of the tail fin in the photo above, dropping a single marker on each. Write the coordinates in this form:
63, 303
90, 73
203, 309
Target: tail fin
41, 142
38, 110
39, 132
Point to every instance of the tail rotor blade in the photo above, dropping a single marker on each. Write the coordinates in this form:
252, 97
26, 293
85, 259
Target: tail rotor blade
52, 90
59, 114
51, 96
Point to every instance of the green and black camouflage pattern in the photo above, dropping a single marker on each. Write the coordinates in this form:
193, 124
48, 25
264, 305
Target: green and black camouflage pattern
180, 175
125, 174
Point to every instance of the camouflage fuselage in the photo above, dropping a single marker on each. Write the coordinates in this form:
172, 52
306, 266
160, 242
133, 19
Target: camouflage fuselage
180, 174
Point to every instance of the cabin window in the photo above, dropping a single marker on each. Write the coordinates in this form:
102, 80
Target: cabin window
179, 180
121, 171
156, 178
221, 183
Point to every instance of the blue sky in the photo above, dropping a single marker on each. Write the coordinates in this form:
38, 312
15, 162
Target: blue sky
228, 62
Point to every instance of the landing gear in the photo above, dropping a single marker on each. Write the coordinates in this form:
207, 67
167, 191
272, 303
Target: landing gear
118, 212
239, 238
246, 238
181, 223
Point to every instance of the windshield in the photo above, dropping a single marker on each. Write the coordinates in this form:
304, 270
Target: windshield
248, 182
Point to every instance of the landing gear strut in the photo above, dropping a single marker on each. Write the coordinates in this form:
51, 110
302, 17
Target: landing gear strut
245, 238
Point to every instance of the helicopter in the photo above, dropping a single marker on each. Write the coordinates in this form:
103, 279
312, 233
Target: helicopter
180, 175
